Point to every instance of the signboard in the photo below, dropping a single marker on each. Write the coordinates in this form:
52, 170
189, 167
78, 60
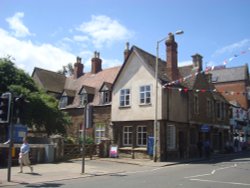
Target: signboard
113, 152
150, 145
205, 128
19, 131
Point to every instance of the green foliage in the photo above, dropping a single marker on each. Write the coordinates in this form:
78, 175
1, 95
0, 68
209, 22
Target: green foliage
69, 140
88, 140
67, 70
10, 75
40, 109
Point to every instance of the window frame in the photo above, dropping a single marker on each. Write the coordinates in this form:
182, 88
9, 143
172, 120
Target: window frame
145, 94
171, 137
127, 136
126, 98
141, 136
100, 128
63, 101
83, 99
106, 97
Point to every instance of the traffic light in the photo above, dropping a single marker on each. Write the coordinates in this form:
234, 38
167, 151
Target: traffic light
5, 102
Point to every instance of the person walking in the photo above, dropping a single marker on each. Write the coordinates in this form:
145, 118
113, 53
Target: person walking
24, 156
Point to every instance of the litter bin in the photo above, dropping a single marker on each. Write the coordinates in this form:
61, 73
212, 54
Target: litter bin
49, 153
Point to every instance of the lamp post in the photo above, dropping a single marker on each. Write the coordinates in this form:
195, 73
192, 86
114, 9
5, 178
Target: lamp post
156, 127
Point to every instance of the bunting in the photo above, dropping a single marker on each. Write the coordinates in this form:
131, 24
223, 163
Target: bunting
207, 69
185, 90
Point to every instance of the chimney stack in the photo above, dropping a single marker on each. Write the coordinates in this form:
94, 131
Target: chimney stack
96, 63
172, 58
126, 51
78, 68
197, 62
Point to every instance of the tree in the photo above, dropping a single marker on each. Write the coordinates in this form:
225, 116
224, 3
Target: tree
67, 70
39, 109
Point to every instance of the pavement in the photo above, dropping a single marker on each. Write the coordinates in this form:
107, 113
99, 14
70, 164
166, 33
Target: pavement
51, 172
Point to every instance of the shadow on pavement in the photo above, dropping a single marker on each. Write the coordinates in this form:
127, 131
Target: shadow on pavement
45, 185
223, 158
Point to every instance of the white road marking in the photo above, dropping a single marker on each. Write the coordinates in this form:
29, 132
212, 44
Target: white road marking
222, 182
213, 172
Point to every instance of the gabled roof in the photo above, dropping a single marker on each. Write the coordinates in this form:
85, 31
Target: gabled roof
150, 60
89, 90
187, 71
50, 81
70, 93
92, 83
232, 74
108, 85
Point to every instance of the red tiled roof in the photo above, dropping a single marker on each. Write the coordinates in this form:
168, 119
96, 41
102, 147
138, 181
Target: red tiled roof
91, 80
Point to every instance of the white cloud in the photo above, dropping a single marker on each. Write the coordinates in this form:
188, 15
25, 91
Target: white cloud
16, 24
233, 47
103, 31
111, 63
185, 63
29, 55
79, 38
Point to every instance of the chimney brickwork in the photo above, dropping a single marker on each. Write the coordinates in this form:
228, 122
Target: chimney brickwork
96, 63
78, 68
172, 58
126, 51
197, 62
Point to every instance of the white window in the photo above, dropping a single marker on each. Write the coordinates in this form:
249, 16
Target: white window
145, 94
83, 99
99, 133
196, 104
105, 97
127, 135
63, 102
141, 135
171, 137
125, 97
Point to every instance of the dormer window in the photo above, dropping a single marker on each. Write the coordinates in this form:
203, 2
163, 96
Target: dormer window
86, 95
83, 99
105, 93
67, 98
63, 102
106, 97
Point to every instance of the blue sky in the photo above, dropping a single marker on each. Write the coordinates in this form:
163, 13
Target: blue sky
51, 33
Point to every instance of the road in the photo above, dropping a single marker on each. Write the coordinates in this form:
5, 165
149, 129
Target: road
226, 173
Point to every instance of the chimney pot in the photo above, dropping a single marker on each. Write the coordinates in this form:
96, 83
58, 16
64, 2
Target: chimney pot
197, 61
78, 68
172, 58
96, 63
126, 51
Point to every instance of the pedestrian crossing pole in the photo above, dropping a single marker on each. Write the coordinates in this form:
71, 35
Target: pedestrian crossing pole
83, 138
10, 139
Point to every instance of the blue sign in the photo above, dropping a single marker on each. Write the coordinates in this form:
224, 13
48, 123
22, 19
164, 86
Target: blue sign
150, 145
205, 128
19, 131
